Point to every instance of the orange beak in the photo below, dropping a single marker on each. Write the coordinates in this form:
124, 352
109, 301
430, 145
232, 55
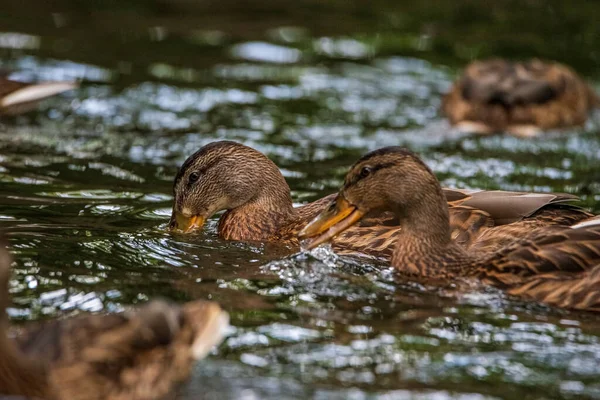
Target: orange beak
339, 216
185, 224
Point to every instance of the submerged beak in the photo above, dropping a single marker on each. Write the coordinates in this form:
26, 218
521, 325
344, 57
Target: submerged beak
339, 216
186, 224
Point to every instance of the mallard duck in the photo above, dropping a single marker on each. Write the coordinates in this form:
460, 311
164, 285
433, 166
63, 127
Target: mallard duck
554, 264
139, 354
522, 98
20, 97
229, 176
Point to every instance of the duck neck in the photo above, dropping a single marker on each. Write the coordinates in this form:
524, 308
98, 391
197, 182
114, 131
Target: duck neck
261, 218
424, 245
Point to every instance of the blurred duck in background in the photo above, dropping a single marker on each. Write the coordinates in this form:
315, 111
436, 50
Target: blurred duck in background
20, 97
141, 354
521, 98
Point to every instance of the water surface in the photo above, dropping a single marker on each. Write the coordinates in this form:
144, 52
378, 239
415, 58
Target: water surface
86, 185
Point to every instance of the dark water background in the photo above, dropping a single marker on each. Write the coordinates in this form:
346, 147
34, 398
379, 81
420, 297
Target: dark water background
86, 183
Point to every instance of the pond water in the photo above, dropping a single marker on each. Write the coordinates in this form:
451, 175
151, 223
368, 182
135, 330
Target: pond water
85, 190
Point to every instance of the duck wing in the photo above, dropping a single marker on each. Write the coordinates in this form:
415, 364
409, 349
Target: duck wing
484, 221
563, 289
545, 251
507, 207
511, 215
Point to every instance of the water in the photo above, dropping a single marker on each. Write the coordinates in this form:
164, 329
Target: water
86, 185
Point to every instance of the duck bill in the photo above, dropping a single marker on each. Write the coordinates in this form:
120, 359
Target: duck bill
338, 217
180, 222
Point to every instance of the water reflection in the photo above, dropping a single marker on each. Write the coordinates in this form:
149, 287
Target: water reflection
266, 52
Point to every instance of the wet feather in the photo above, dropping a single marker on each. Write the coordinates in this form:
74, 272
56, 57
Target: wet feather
531, 258
258, 204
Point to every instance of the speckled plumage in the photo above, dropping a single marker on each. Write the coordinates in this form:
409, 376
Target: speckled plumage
502, 217
251, 188
139, 355
272, 226
519, 97
557, 265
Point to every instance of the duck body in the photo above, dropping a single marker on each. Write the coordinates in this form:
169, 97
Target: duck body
522, 98
483, 220
20, 97
140, 354
230, 176
556, 265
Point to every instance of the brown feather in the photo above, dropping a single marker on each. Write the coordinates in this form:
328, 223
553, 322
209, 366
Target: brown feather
140, 354
259, 207
534, 258
499, 95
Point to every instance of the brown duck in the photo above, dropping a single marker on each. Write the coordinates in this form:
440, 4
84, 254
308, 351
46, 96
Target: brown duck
138, 355
553, 264
20, 97
230, 176
522, 98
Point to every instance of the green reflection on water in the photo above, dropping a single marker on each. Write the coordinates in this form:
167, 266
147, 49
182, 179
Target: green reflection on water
86, 184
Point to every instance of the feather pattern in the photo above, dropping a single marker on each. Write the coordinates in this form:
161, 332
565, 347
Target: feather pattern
140, 354
533, 258
519, 97
497, 224
259, 207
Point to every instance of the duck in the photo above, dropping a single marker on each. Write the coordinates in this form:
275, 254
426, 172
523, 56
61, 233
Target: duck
20, 97
523, 98
556, 265
140, 354
231, 177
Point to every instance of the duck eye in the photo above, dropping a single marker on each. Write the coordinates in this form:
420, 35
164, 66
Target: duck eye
194, 176
365, 171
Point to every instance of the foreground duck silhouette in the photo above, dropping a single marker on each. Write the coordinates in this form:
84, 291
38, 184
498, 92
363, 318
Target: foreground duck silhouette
20, 97
555, 265
230, 176
140, 354
522, 98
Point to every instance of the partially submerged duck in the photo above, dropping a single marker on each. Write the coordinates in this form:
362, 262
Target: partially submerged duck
230, 176
141, 354
20, 97
485, 220
522, 98
553, 264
